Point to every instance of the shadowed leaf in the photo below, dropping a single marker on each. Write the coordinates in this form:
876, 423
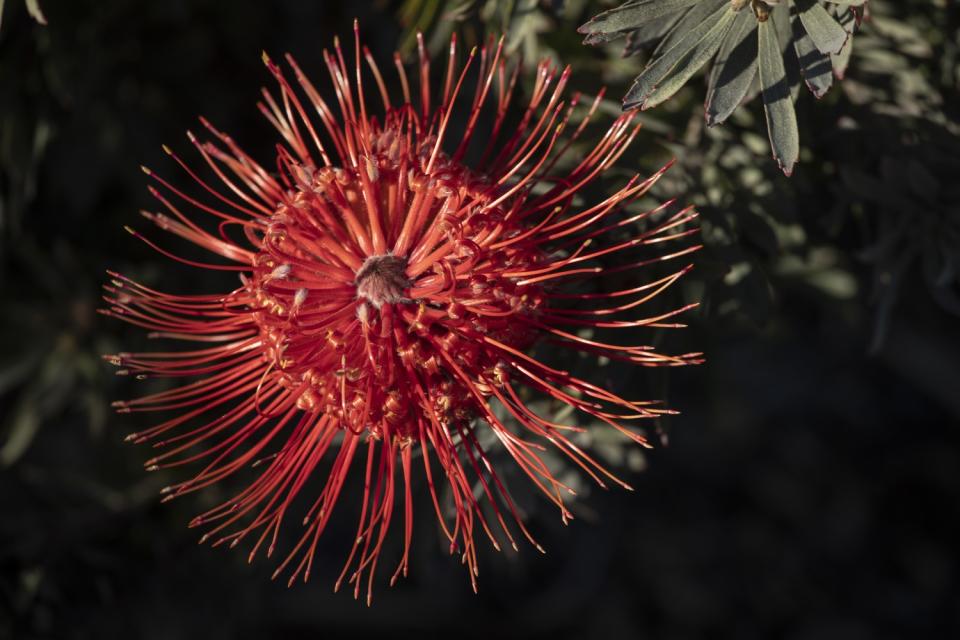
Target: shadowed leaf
815, 65
692, 62
611, 24
781, 117
658, 70
827, 35
733, 71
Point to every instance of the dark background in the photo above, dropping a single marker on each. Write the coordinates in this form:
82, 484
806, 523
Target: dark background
811, 486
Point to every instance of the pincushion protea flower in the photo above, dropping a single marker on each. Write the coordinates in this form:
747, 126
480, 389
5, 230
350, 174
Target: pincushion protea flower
388, 296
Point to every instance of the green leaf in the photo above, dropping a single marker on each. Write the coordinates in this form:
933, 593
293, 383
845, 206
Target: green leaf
33, 8
734, 69
827, 35
815, 65
841, 61
692, 62
777, 103
848, 20
660, 68
650, 33
611, 24
688, 20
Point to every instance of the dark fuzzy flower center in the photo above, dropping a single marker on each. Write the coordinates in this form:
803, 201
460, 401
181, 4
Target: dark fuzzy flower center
382, 280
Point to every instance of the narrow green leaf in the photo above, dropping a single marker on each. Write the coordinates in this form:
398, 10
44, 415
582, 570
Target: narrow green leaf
815, 66
611, 24
841, 60
734, 69
33, 8
847, 19
827, 35
692, 62
662, 66
777, 103
650, 33
690, 19
781, 19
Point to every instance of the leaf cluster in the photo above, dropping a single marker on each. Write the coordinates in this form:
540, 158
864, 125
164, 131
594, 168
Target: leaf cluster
757, 47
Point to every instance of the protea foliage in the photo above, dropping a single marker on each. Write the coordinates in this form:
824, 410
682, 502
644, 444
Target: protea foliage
757, 46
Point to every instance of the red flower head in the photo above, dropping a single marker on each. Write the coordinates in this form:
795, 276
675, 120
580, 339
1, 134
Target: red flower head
388, 296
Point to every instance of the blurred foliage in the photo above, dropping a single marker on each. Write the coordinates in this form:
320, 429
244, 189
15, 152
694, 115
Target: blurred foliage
898, 155
521, 22
810, 491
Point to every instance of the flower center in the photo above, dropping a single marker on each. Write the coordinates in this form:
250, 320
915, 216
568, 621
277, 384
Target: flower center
382, 280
